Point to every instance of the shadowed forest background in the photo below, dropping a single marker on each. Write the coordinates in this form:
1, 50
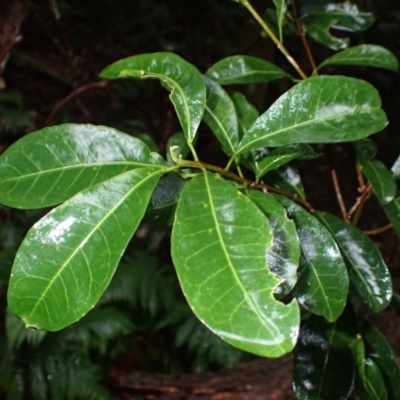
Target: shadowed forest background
51, 53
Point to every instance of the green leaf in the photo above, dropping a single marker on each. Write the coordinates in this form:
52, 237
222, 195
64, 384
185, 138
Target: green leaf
188, 93
367, 270
281, 9
392, 211
182, 149
282, 155
323, 362
344, 17
383, 184
68, 258
246, 112
381, 352
220, 116
163, 202
368, 55
53, 164
284, 254
323, 281
369, 383
244, 69
318, 110
365, 149
286, 177
219, 244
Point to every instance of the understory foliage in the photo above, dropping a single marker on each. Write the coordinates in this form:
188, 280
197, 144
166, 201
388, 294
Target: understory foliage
259, 266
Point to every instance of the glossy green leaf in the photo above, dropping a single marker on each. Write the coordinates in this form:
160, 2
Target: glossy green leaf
246, 113
281, 9
163, 202
318, 110
344, 16
220, 116
220, 241
244, 69
284, 254
68, 258
323, 363
392, 211
381, 352
179, 144
282, 155
365, 149
286, 177
369, 383
367, 270
323, 282
185, 82
368, 55
383, 184
53, 164
396, 168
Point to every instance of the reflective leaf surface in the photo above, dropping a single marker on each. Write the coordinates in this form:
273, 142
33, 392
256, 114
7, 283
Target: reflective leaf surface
246, 112
286, 177
53, 164
343, 16
367, 270
185, 82
381, 352
220, 241
323, 364
244, 69
318, 110
392, 211
68, 258
323, 281
368, 55
383, 184
284, 255
220, 116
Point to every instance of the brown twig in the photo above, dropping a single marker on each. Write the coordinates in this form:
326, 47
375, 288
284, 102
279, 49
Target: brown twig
339, 195
303, 37
377, 231
84, 88
246, 182
360, 177
359, 203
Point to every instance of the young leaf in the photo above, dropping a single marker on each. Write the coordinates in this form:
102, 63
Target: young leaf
392, 211
220, 116
68, 258
323, 281
368, 55
369, 382
344, 17
178, 141
219, 244
281, 9
51, 165
382, 181
244, 69
323, 363
188, 93
367, 270
382, 353
284, 254
318, 110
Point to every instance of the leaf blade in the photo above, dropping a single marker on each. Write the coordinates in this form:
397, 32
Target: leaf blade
53, 164
367, 270
67, 259
323, 282
188, 93
244, 70
318, 110
224, 278
369, 55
